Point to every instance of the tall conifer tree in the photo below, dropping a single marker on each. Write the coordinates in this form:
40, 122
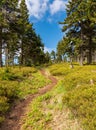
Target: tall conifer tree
81, 16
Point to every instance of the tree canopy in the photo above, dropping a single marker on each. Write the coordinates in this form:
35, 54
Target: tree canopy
17, 35
80, 29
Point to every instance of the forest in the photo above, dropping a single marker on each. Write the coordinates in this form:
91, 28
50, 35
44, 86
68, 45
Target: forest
18, 39
48, 90
80, 28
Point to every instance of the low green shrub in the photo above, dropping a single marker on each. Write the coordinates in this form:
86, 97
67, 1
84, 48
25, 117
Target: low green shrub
59, 69
9, 76
32, 84
3, 104
80, 88
82, 102
8, 92
17, 83
8, 89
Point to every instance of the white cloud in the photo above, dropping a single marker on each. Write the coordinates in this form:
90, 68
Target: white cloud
57, 6
46, 49
37, 8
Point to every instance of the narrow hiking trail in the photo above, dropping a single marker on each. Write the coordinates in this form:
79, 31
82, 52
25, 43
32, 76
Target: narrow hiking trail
18, 110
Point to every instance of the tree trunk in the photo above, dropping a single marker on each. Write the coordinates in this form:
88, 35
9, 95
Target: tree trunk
0, 47
22, 57
12, 59
89, 60
81, 47
95, 56
6, 57
71, 62
0, 54
81, 56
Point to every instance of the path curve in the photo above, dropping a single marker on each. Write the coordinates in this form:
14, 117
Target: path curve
12, 121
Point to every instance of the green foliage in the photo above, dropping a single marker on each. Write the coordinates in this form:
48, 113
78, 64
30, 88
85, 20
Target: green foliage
8, 92
83, 105
17, 83
42, 112
8, 76
80, 28
32, 84
8, 89
20, 39
80, 92
58, 70
53, 56
82, 99
36, 118
3, 104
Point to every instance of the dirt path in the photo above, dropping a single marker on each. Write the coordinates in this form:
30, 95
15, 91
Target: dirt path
12, 121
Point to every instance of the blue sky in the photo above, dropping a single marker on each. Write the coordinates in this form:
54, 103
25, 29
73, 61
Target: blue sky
45, 15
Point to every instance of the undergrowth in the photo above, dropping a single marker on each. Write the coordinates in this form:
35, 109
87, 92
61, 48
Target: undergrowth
17, 83
39, 114
47, 112
80, 96
72, 100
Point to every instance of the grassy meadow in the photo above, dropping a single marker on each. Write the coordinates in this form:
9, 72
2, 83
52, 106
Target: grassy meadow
80, 92
17, 83
70, 105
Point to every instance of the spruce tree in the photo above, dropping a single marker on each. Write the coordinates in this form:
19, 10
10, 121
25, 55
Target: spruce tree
22, 25
7, 16
81, 17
